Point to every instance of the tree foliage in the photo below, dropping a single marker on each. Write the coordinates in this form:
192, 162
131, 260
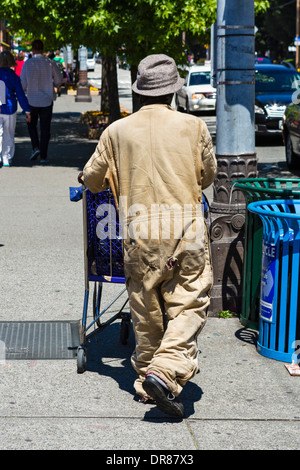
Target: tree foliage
277, 29
143, 26
139, 27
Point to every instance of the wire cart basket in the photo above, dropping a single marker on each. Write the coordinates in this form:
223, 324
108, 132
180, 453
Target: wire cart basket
103, 264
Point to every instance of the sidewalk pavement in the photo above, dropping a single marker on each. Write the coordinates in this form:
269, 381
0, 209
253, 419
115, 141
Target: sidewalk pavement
239, 400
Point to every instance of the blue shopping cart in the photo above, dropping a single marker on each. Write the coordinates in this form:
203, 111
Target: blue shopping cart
103, 264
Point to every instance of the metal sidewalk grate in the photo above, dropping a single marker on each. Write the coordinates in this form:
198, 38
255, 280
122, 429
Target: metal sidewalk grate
39, 340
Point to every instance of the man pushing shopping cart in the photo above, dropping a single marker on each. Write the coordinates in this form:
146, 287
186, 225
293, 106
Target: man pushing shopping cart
156, 162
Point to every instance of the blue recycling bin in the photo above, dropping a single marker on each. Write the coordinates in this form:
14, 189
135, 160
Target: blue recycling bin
279, 312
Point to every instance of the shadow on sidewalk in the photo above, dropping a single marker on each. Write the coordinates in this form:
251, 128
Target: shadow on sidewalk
104, 355
68, 147
190, 394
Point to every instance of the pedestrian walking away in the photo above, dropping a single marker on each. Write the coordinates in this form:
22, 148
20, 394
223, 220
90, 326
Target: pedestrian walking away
11, 92
39, 76
61, 66
20, 61
157, 161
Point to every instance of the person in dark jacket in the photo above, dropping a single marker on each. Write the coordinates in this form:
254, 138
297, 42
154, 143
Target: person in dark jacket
11, 92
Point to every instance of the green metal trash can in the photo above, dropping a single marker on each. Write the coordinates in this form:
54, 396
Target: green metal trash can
257, 189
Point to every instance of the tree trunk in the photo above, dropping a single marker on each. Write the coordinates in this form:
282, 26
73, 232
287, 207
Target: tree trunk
135, 97
109, 91
104, 87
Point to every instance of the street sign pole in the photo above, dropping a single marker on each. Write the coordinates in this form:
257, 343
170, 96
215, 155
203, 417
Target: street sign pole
235, 147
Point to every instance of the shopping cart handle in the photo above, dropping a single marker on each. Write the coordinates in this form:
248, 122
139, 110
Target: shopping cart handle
205, 203
76, 193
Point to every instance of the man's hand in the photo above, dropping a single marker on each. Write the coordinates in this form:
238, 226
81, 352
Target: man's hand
80, 178
28, 117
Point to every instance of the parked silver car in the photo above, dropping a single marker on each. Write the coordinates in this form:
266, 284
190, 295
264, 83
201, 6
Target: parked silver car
197, 94
90, 60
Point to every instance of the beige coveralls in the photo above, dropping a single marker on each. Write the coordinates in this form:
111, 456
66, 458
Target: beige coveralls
157, 161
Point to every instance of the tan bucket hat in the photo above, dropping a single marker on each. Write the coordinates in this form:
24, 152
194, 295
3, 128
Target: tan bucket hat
157, 75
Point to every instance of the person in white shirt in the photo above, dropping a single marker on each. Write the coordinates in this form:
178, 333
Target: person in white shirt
39, 77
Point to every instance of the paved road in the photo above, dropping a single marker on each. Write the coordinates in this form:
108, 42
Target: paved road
124, 82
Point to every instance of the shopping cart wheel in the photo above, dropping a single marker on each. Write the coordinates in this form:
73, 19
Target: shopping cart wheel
81, 359
125, 329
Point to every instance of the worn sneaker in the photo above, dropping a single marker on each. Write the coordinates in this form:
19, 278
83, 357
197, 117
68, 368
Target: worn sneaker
164, 398
43, 161
34, 155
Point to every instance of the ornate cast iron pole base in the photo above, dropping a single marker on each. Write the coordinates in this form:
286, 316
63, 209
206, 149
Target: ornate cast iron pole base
83, 88
228, 211
235, 147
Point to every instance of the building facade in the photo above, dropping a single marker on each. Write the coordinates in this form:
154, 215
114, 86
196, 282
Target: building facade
5, 36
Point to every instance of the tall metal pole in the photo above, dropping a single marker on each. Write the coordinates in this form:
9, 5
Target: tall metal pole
69, 60
235, 147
